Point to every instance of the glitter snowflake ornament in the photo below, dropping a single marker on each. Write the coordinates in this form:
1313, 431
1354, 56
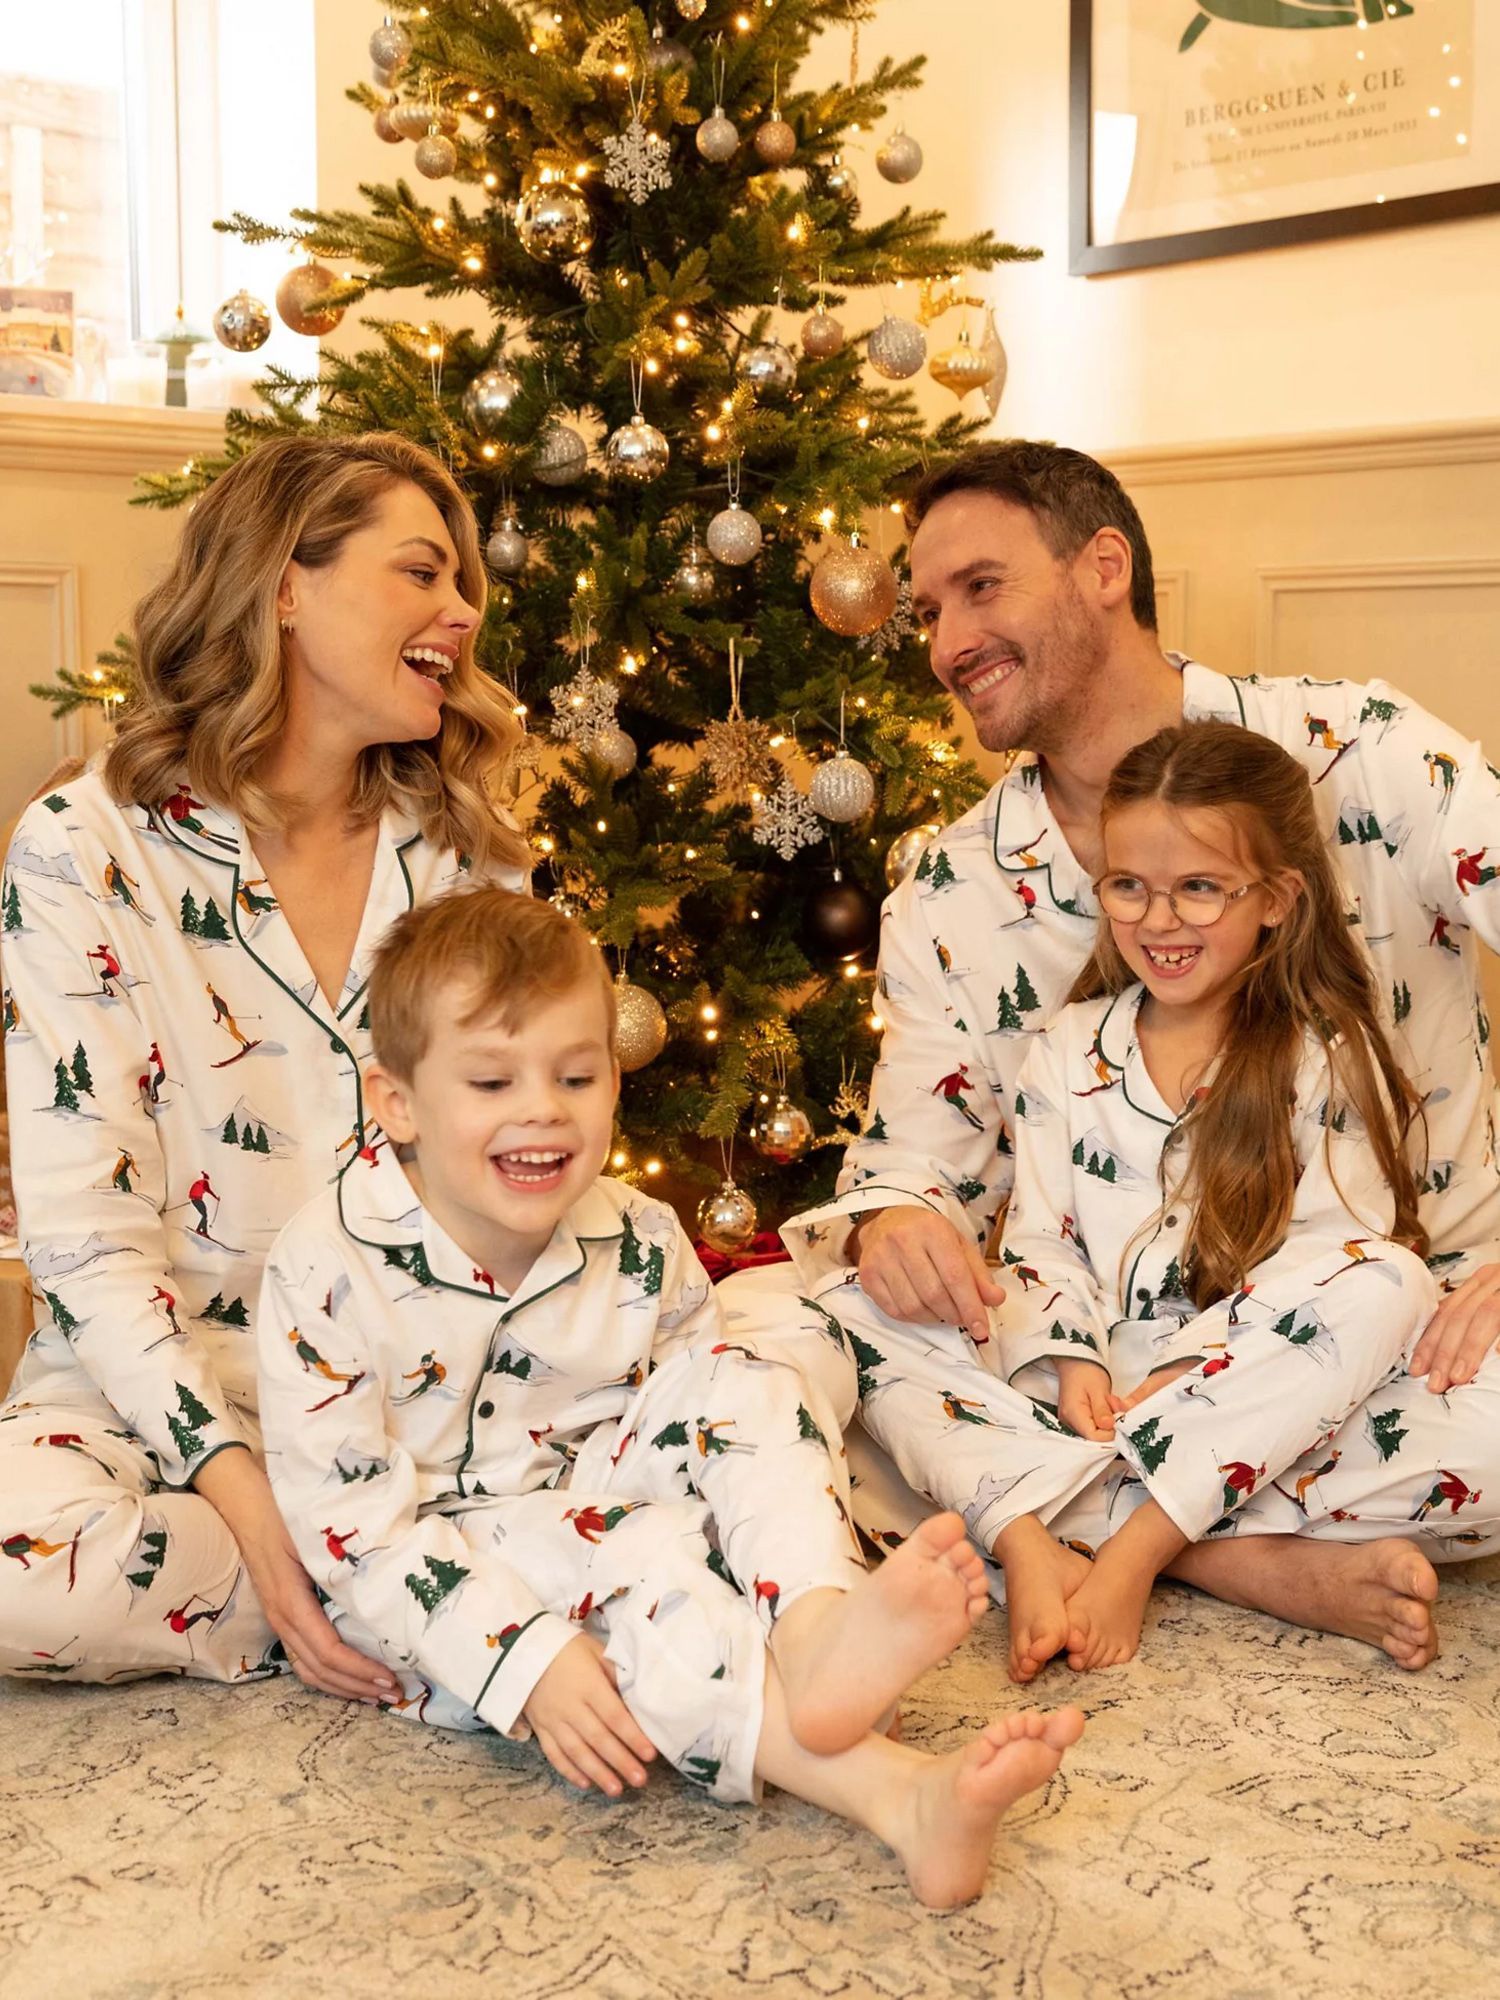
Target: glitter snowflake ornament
585, 705
899, 627
784, 820
737, 750
637, 159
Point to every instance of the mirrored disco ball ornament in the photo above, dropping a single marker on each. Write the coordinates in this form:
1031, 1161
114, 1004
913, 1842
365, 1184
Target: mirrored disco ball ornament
899, 158
243, 323
783, 1133
637, 451
693, 578
411, 120
767, 366
734, 535
564, 904
390, 45
435, 156
960, 367
775, 142
718, 137
905, 851
611, 747
559, 455
842, 789
727, 1219
897, 348
640, 1025
302, 299
507, 549
854, 590
553, 223
385, 124
822, 336
488, 398
840, 178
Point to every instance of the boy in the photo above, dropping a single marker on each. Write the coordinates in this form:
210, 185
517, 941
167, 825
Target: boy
516, 1450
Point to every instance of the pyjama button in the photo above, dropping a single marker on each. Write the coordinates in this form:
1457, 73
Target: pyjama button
1171, 1222
486, 1409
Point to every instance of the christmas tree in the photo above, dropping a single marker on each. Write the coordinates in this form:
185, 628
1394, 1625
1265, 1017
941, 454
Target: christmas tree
643, 221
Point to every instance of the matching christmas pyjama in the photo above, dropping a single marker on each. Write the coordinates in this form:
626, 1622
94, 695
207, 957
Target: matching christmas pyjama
178, 1088
979, 948
474, 1478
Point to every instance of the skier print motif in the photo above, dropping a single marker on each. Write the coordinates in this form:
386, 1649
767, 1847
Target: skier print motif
471, 1476
187, 1086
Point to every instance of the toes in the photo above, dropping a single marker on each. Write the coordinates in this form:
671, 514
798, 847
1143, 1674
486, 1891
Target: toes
1062, 1727
939, 1533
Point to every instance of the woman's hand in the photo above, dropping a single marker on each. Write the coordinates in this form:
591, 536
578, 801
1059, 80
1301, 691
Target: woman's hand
1084, 1400
1157, 1379
1460, 1333
585, 1731
234, 1485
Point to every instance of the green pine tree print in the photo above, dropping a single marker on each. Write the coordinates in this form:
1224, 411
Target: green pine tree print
1386, 1432
1148, 1445
1400, 1002
924, 866
65, 1322
1026, 998
807, 1428
969, 1191
213, 926
234, 1314
671, 1434
445, 1577
876, 1128
413, 1262
516, 1365
262, 1144
632, 1260
230, 1135
1300, 1334
942, 870
55, 802
12, 907
152, 1554
81, 1076
247, 1140
187, 1428
1008, 1022
701, 1770
866, 1359
1077, 1155
192, 923
65, 1096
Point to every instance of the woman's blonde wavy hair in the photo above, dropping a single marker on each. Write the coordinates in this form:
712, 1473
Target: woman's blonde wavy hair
211, 680
1239, 1168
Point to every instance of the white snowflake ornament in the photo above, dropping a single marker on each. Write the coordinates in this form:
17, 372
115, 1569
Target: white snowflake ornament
784, 820
637, 161
584, 706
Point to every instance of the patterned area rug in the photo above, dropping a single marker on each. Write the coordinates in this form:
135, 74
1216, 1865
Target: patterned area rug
1254, 1814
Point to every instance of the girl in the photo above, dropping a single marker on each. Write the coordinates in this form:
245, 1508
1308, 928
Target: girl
311, 750
1214, 1225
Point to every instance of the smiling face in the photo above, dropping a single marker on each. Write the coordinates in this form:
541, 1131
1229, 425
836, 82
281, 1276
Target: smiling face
508, 1128
1011, 632
1186, 965
375, 631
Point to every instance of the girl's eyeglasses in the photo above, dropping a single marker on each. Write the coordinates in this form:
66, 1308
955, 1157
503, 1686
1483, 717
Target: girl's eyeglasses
1193, 899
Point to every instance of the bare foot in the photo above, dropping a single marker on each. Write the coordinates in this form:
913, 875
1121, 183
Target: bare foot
956, 1801
1382, 1592
1106, 1611
854, 1653
1040, 1578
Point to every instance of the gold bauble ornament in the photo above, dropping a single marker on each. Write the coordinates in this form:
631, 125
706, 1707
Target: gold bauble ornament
775, 142
905, 851
435, 156
727, 1219
385, 124
959, 367
640, 1025
611, 747
822, 336
390, 45
854, 590
302, 298
784, 1133
553, 222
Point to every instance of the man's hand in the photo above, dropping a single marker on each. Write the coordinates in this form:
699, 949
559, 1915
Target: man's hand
1157, 1379
916, 1267
1460, 1333
236, 1488
585, 1730
1084, 1401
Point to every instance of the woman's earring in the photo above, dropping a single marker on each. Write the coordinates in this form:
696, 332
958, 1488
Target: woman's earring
286, 627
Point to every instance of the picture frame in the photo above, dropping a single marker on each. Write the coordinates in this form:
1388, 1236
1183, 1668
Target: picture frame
1206, 128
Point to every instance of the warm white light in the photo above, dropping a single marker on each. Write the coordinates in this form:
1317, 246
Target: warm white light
708, 1012
653, 1166
618, 1159
601, 825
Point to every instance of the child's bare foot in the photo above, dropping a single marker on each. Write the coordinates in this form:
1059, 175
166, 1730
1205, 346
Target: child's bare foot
1040, 1578
955, 1802
1106, 1612
853, 1653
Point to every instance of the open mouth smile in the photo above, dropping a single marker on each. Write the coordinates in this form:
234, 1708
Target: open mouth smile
534, 1171
430, 663
1172, 964
981, 680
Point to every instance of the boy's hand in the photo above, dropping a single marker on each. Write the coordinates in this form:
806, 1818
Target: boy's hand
1157, 1379
585, 1730
1084, 1400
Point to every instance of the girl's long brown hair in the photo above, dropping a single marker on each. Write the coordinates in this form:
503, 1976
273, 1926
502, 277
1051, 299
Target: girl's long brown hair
1240, 1168
211, 683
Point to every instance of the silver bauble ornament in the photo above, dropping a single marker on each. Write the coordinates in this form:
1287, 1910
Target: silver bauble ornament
897, 348
906, 849
899, 158
411, 119
854, 590
507, 550
243, 323
640, 1025
390, 45
302, 298
637, 451
691, 10
768, 366
959, 367
718, 137
553, 223
842, 789
488, 398
783, 1133
559, 455
993, 350
840, 179
734, 535
385, 124
435, 156
775, 142
564, 904
611, 747
821, 336
663, 53
693, 578
727, 1220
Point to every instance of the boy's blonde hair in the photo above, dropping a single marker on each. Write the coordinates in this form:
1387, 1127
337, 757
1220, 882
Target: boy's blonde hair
507, 951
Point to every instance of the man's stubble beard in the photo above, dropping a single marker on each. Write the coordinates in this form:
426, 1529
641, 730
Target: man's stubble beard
1060, 672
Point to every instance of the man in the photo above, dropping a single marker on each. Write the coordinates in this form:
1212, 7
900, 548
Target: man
1032, 579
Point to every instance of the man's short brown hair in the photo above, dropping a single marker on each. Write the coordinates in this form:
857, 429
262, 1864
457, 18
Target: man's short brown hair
507, 952
1069, 495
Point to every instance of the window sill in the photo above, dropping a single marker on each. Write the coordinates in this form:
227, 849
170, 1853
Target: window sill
39, 435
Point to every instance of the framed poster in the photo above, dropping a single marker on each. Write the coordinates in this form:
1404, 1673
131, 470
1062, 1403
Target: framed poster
36, 341
1204, 127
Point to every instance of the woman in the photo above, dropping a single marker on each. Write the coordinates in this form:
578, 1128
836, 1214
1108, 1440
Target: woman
309, 754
